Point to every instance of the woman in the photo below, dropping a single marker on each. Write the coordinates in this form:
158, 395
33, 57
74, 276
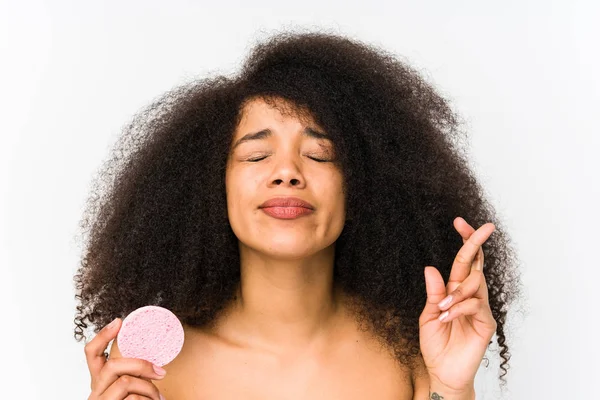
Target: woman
303, 220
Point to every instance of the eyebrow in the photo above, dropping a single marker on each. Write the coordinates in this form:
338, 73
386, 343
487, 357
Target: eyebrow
265, 133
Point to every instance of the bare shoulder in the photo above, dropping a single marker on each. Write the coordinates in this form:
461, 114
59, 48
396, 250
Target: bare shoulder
355, 367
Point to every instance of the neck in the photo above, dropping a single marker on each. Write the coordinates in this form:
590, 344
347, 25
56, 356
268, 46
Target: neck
283, 302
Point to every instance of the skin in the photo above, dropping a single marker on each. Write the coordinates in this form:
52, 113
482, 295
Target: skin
289, 334
287, 297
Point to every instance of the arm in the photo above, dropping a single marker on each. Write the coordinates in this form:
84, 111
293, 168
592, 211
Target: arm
445, 393
425, 389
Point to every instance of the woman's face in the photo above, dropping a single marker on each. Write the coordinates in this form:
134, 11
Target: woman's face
279, 164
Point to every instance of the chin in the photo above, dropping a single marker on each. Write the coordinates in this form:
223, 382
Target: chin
291, 247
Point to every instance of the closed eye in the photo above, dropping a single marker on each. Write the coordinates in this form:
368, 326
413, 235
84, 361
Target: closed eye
256, 159
312, 158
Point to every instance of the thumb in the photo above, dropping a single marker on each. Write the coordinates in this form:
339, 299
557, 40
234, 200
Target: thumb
436, 290
94, 350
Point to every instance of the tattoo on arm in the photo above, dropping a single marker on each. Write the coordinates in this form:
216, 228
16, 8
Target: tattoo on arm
434, 396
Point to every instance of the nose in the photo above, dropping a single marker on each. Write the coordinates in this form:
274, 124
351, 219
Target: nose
287, 173
293, 182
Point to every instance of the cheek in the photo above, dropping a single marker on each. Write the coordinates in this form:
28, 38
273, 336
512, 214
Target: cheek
233, 189
241, 187
333, 186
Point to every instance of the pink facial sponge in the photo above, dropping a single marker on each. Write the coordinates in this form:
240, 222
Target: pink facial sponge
151, 333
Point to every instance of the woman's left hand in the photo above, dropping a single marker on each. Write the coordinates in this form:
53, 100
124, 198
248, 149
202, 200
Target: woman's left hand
452, 349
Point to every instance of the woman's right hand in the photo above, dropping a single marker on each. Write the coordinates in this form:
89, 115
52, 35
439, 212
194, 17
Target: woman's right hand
119, 378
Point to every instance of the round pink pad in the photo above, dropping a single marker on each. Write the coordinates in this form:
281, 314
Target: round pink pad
151, 333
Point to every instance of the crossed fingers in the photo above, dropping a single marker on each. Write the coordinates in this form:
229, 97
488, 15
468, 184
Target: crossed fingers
467, 286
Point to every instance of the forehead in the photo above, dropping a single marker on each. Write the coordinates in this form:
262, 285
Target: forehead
256, 122
273, 107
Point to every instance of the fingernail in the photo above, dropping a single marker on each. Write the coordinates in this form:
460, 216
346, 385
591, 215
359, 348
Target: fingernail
112, 324
161, 396
445, 302
159, 371
444, 315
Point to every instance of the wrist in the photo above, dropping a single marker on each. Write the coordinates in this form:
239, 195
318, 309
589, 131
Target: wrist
439, 391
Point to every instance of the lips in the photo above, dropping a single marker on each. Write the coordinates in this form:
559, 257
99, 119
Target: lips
286, 212
286, 207
286, 202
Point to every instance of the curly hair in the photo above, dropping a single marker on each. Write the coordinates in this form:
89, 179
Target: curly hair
156, 221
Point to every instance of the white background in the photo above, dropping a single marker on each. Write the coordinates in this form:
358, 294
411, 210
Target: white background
523, 74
